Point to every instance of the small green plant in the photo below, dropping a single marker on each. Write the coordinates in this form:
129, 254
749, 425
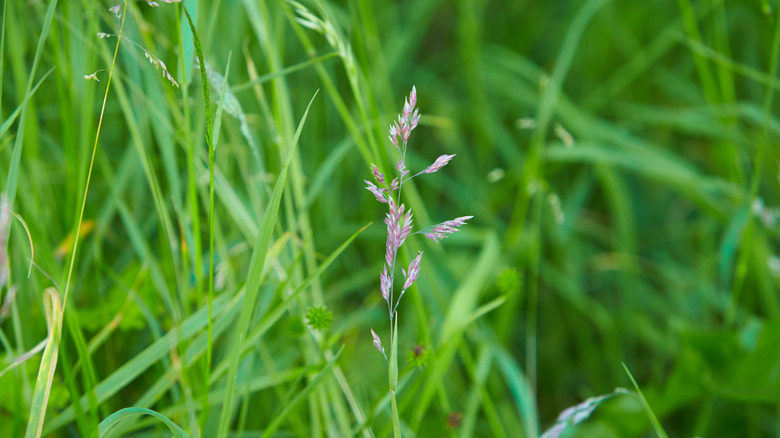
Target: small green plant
419, 356
319, 318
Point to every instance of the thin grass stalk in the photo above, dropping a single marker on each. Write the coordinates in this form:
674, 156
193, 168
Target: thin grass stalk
532, 309
13, 168
2, 55
256, 267
366, 150
48, 366
392, 372
659, 430
192, 187
209, 144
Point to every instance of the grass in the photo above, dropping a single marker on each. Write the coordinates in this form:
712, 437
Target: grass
618, 159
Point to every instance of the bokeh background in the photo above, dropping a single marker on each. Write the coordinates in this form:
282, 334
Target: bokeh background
619, 158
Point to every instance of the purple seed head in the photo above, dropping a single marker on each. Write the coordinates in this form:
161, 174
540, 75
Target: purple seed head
395, 131
458, 221
441, 230
378, 193
386, 283
413, 271
406, 228
380, 177
439, 163
393, 140
401, 166
377, 342
392, 220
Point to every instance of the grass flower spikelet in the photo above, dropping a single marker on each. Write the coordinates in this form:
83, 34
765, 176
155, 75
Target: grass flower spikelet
386, 283
379, 176
378, 193
438, 164
413, 272
378, 343
440, 231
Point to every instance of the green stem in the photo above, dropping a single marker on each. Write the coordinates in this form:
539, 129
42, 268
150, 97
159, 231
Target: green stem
393, 375
212, 164
396, 418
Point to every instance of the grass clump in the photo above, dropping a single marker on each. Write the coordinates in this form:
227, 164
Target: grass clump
185, 248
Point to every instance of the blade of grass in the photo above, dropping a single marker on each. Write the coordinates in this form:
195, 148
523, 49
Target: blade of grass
40, 397
532, 168
2, 56
195, 350
283, 72
480, 397
288, 407
653, 419
10, 120
131, 369
270, 319
49, 360
521, 391
123, 414
256, 265
368, 151
16, 156
212, 164
462, 306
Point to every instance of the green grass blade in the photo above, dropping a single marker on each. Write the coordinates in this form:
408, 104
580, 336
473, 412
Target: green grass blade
521, 392
464, 302
533, 166
123, 414
283, 72
2, 55
270, 319
143, 361
653, 419
291, 404
461, 307
11, 118
48, 364
256, 265
13, 168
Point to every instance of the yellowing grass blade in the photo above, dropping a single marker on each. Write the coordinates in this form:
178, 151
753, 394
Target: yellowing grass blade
40, 398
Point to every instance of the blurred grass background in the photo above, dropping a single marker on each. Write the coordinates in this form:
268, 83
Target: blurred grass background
619, 158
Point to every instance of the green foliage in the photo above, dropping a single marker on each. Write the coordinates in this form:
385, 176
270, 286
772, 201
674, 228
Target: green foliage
509, 281
319, 318
295, 326
419, 356
618, 158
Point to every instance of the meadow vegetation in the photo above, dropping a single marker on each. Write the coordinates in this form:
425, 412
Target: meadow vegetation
187, 246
